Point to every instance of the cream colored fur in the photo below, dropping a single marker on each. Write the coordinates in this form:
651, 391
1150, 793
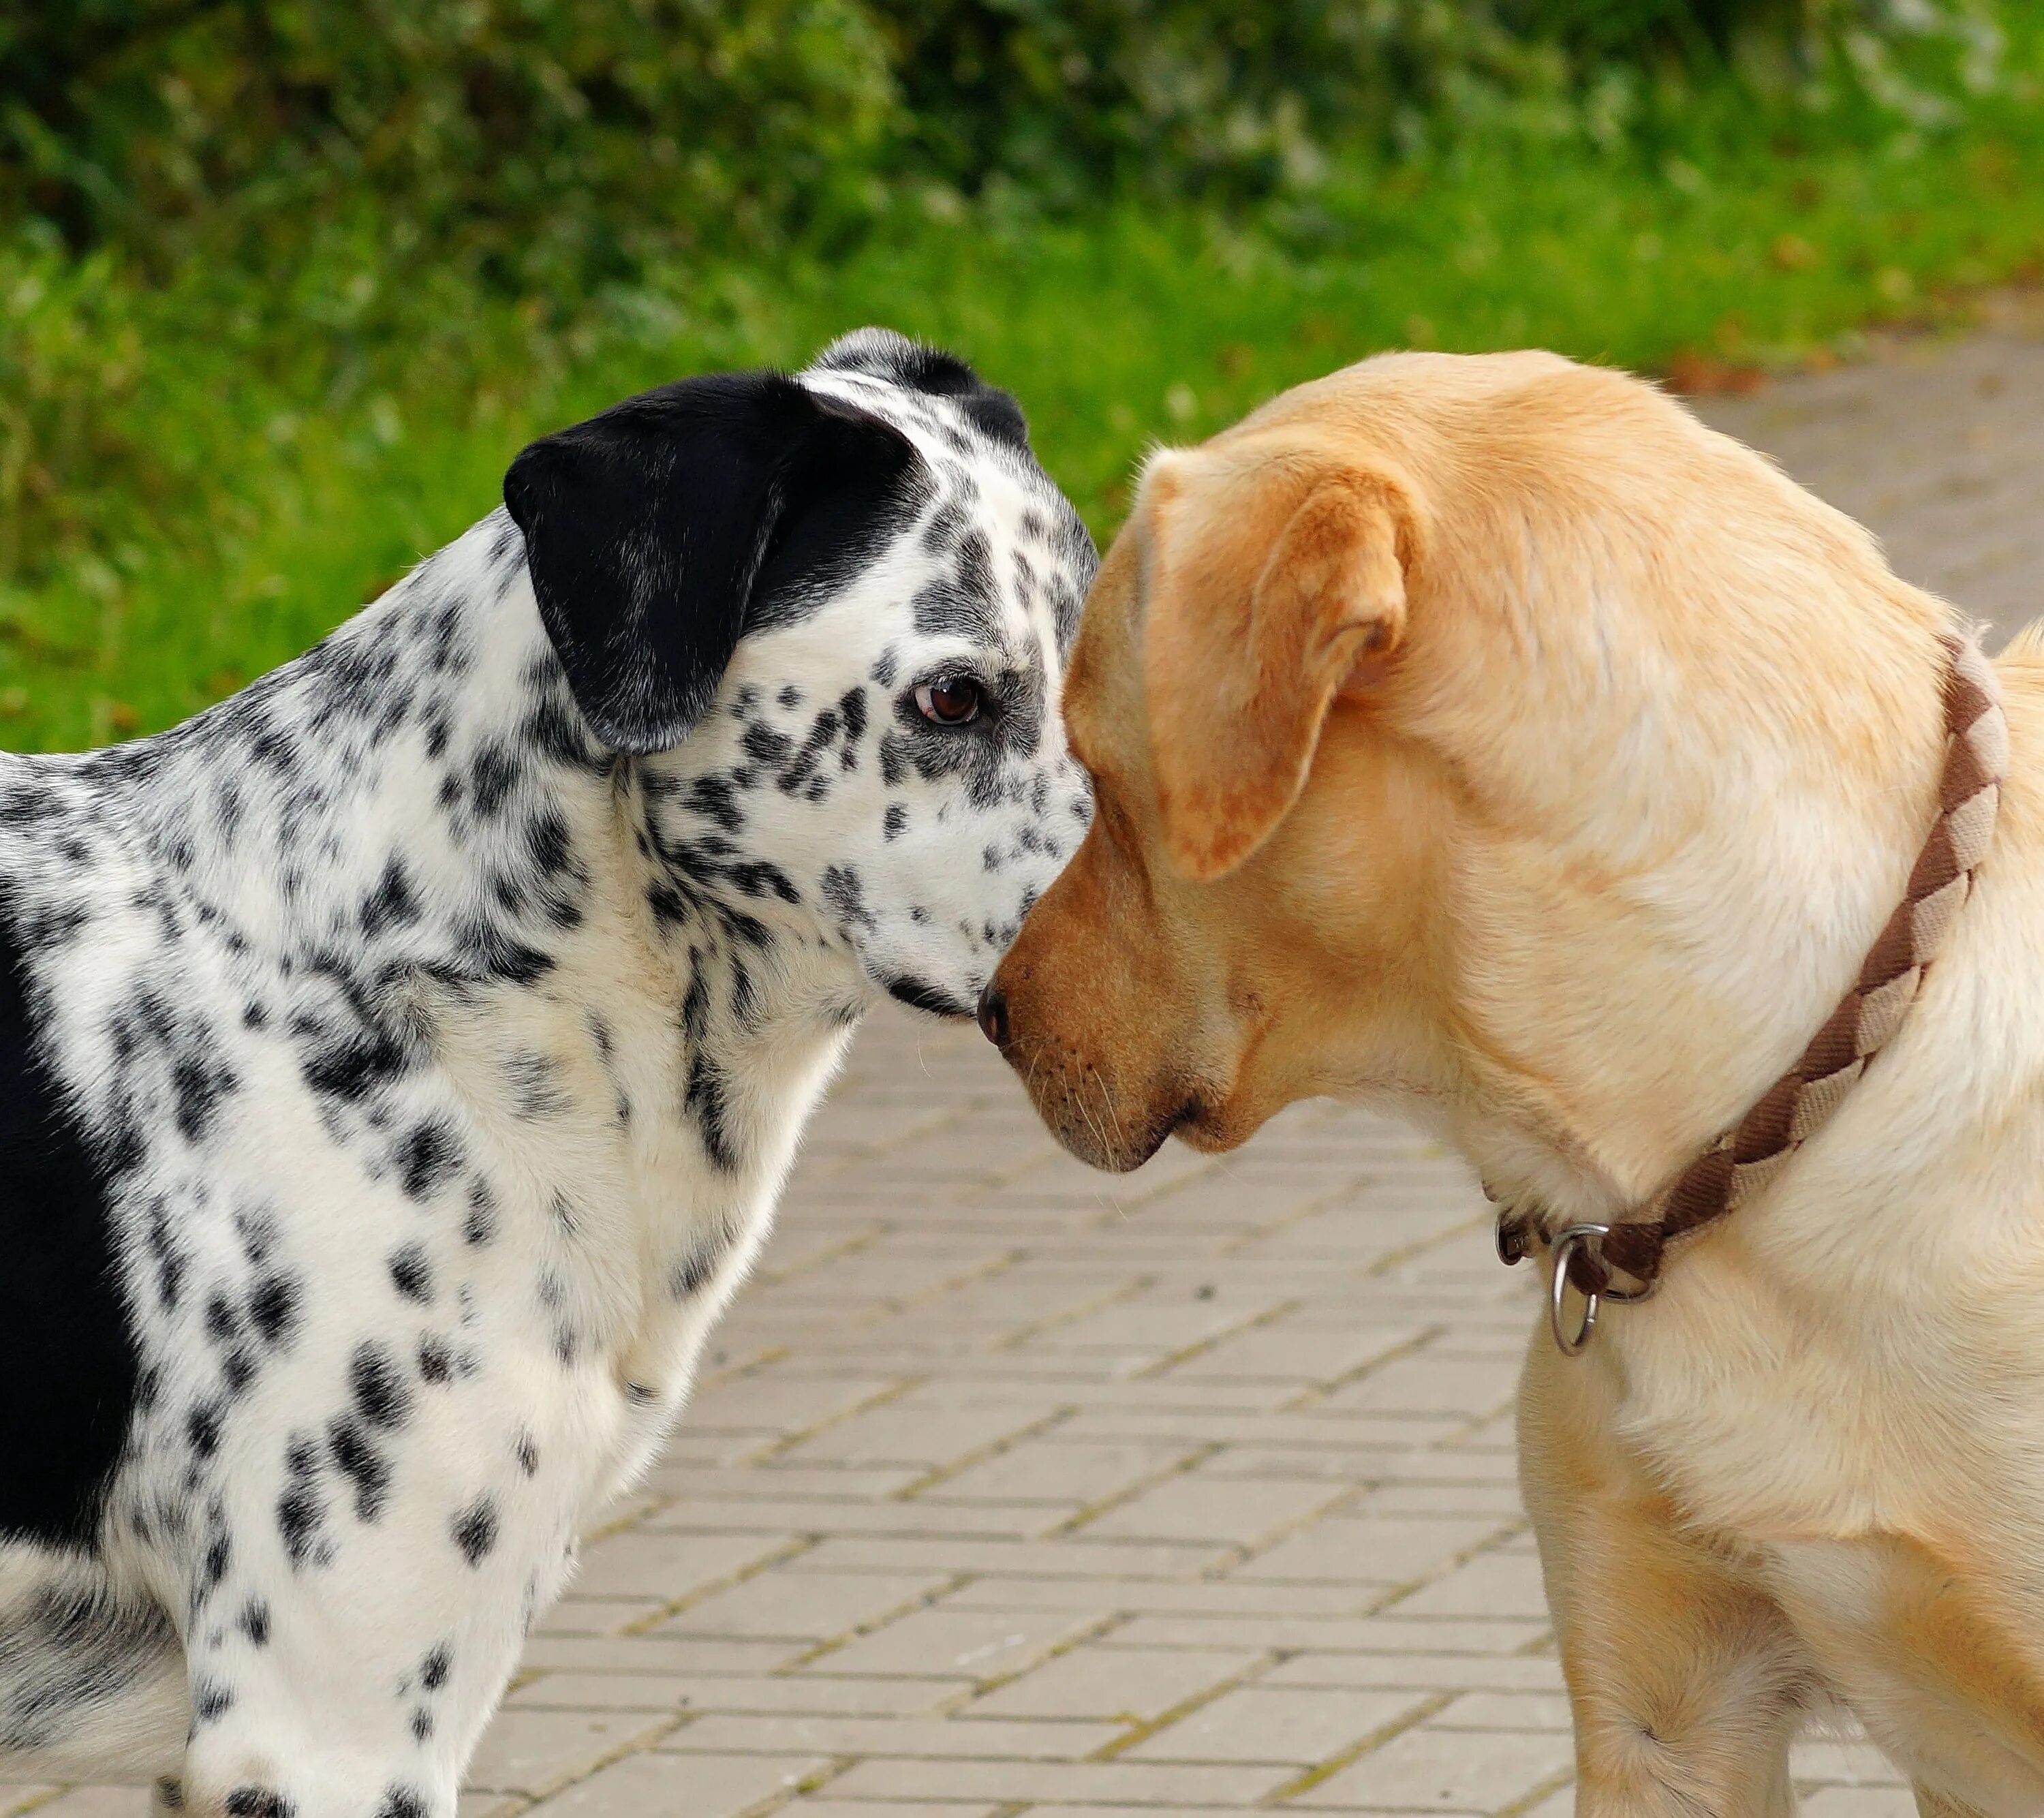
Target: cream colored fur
1594, 823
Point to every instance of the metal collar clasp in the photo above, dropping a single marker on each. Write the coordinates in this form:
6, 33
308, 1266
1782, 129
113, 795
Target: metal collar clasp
1589, 1238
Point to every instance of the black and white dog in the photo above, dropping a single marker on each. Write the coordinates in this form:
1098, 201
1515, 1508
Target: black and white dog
402, 1059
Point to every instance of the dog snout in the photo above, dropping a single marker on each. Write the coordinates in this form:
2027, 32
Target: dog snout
993, 1016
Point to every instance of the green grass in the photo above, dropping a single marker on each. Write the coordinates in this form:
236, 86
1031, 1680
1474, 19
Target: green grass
313, 467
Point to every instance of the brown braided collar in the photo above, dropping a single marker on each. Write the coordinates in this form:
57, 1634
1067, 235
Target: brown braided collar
1750, 1154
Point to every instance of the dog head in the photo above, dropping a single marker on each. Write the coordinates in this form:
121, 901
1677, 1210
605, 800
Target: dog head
827, 613
1454, 723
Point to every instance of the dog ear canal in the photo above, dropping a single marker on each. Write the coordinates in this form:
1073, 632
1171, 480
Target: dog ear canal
1249, 640
659, 532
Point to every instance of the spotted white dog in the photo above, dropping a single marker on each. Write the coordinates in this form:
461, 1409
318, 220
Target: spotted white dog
402, 1060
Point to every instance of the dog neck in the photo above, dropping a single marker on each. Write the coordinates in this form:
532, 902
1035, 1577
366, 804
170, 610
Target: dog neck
1689, 984
415, 813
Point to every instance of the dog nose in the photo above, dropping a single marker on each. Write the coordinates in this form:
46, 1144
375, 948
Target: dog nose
993, 1016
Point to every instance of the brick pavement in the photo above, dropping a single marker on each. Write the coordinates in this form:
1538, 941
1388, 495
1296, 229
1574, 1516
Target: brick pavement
1010, 1486
1939, 447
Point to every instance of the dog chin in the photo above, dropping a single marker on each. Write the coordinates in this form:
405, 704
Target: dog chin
1124, 1153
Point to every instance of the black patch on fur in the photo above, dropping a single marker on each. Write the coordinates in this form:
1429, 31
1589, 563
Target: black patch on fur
479, 1223
886, 355
427, 1155
301, 1509
411, 1273
381, 1397
362, 1464
918, 994
659, 532
434, 1669
352, 1064
704, 1098
273, 1308
475, 1529
436, 1361
66, 1353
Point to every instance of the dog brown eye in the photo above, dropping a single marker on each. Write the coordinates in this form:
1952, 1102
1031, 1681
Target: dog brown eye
950, 701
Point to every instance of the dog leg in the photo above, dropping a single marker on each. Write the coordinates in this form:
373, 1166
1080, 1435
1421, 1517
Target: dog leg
1687, 1686
1930, 1805
92, 1677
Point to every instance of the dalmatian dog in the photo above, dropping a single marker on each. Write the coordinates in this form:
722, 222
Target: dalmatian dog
401, 1059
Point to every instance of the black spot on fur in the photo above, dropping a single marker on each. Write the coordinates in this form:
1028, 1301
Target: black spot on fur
254, 1622
705, 1100
381, 1397
411, 1273
301, 1509
212, 1566
845, 892
392, 903
198, 1086
259, 1802
273, 1308
202, 1428
429, 1154
436, 1360
492, 777
919, 994
478, 1224
362, 1464
692, 1274
352, 1065
475, 1529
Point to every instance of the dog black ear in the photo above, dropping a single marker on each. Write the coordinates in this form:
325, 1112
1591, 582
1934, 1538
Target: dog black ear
647, 529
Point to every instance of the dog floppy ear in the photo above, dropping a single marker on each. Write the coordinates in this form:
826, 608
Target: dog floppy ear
1268, 592
658, 532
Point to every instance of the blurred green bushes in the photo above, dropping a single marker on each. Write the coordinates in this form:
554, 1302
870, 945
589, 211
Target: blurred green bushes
558, 144
232, 231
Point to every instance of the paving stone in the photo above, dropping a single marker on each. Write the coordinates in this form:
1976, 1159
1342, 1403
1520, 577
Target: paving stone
1490, 1585
1191, 1506
1368, 1551
934, 1738
822, 1805
1848, 1802
636, 1563
1277, 1724
1060, 1783
533, 1751
76, 1801
648, 1785
979, 1645
1121, 1684
812, 1606
1427, 1770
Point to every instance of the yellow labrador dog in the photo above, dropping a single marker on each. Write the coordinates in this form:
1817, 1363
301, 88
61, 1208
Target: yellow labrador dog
1486, 739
